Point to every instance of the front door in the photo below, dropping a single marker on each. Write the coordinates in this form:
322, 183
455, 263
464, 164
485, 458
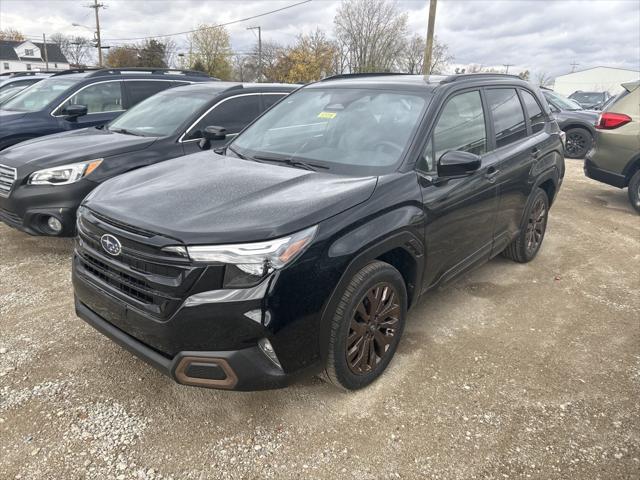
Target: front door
103, 101
460, 213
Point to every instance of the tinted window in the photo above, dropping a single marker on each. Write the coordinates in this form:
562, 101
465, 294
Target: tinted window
99, 97
140, 90
508, 117
536, 117
460, 127
233, 114
270, 99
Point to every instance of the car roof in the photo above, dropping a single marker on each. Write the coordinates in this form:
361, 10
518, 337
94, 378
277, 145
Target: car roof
216, 88
412, 82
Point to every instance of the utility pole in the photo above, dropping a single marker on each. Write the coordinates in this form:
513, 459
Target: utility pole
97, 6
259, 50
573, 66
426, 66
507, 65
46, 55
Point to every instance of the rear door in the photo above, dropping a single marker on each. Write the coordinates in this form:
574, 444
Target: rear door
460, 212
138, 90
516, 148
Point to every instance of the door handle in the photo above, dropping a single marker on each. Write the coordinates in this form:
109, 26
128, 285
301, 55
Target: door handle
535, 151
491, 174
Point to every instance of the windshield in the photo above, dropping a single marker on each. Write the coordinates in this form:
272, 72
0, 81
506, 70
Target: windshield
560, 101
362, 131
161, 114
587, 97
39, 95
9, 91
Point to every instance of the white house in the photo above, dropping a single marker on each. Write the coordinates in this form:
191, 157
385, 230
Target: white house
17, 56
596, 79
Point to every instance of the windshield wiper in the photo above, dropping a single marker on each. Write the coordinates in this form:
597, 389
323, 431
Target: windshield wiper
124, 131
238, 154
294, 163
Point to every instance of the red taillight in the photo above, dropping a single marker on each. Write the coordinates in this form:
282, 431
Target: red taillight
609, 121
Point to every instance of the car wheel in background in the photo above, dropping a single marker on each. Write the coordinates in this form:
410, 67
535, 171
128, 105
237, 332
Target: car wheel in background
579, 142
526, 245
366, 326
634, 191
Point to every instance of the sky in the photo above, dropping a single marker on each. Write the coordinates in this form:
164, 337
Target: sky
539, 35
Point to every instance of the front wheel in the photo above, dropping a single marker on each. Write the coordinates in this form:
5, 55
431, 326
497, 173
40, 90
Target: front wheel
525, 246
366, 327
634, 191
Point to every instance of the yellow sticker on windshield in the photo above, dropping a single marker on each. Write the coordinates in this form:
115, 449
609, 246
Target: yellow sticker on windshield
327, 115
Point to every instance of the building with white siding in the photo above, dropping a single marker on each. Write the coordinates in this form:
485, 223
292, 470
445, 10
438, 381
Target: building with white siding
22, 56
596, 79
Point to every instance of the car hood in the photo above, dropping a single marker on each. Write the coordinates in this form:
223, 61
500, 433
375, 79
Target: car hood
72, 146
10, 115
587, 116
206, 198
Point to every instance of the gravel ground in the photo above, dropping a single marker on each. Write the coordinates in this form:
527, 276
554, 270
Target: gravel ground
513, 371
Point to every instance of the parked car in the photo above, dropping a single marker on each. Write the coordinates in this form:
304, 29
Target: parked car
590, 100
615, 157
576, 122
15, 82
75, 99
42, 181
302, 246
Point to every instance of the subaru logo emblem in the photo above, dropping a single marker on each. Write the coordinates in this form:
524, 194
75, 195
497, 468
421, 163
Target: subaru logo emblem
111, 244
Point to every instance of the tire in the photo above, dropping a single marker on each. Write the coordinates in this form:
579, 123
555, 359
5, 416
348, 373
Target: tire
375, 339
526, 245
634, 191
579, 141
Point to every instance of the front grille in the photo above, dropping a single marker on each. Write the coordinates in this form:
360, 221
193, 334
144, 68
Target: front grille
142, 275
8, 177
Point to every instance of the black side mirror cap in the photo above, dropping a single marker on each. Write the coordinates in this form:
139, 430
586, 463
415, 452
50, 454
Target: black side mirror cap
75, 111
456, 164
210, 134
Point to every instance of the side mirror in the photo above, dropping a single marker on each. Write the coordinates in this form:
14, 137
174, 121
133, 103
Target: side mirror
74, 111
210, 134
456, 164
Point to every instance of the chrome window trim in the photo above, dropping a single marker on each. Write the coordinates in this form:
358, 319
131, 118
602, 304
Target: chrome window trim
182, 140
53, 112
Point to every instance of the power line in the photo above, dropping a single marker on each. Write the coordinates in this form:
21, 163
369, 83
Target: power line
213, 26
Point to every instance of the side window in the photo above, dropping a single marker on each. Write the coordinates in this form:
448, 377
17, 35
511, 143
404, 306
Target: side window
508, 117
139, 90
233, 114
99, 97
460, 127
536, 117
269, 100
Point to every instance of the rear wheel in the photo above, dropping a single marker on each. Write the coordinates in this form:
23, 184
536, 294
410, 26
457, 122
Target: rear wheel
366, 327
634, 191
525, 246
579, 142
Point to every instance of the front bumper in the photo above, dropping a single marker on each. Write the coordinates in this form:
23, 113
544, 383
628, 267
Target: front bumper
244, 369
28, 207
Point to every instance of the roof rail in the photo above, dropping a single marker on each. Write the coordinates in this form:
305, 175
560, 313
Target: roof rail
75, 70
158, 71
470, 76
25, 73
360, 75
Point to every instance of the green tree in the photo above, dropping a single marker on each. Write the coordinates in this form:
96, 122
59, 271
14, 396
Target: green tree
152, 53
212, 49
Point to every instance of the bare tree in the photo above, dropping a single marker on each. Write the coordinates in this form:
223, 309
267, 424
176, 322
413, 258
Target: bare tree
543, 79
372, 33
76, 49
412, 56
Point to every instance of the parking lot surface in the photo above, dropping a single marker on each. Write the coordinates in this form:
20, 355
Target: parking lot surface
512, 371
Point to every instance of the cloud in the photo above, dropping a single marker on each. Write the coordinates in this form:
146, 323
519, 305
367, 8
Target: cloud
540, 35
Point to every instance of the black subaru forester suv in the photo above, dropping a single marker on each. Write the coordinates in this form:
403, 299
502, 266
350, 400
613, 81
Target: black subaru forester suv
300, 247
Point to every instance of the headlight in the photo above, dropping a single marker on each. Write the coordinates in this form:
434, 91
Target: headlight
256, 259
64, 174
